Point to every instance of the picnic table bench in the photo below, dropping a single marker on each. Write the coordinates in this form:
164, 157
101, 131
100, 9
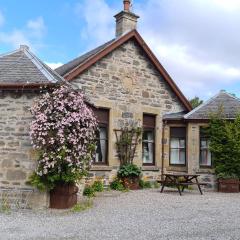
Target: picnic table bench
181, 181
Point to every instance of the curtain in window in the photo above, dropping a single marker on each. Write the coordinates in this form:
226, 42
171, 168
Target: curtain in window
103, 137
174, 151
148, 146
101, 150
205, 154
177, 152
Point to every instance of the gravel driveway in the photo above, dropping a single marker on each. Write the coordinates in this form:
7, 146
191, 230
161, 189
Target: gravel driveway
143, 214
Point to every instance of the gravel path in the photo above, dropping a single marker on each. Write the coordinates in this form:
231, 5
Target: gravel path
144, 214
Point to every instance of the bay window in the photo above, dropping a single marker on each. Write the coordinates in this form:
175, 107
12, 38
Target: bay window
148, 140
178, 146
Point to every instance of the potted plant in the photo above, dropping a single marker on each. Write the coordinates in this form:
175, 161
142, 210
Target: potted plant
130, 176
127, 140
63, 132
228, 183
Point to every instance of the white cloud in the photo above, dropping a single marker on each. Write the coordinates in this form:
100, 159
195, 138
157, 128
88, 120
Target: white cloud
14, 38
54, 65
31, 34
228, 5
198, 42
36, 27
98, 20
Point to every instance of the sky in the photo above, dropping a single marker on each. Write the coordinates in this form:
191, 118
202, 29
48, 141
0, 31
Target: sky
197, 41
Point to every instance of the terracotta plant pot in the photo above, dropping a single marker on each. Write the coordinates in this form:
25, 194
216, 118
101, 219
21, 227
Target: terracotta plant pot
228, 185
131, 183
63, 196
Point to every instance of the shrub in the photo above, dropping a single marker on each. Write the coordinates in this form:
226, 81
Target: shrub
129, 170
145, 184
89, 191
117, 185
63, 132
98, 186
227, 176
225, 146
156, 184
127, 139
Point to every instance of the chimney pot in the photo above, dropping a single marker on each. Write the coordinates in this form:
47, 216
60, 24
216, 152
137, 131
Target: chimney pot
127, 4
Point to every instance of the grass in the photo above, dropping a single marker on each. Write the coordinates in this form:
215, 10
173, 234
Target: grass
79, 207
4, 206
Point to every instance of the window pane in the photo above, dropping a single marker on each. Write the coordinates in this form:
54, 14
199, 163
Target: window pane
148, 136
178, 132
103, 133
177, 153
205, 154
204, 143
174, 156
182, 143
205, 157
147, 152
182, 156
101, 151
174, 143
209, 162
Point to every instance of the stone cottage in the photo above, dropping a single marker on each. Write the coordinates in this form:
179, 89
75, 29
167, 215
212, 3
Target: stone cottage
127, 86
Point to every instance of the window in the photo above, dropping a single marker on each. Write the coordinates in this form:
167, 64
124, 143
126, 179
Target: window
102, 116
102, 145
178, 146
205, 154
148, 140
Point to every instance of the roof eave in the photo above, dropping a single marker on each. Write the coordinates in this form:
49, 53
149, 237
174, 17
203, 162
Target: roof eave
119, 41
27, 86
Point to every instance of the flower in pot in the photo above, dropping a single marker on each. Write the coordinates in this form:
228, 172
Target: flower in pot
63, 132
130, 175
228, 183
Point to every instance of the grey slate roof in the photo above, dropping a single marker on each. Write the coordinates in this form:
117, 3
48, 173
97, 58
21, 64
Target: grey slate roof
229, 104
62, 70
23, 67
174, 116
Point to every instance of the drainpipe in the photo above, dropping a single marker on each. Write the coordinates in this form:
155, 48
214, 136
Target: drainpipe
163, 136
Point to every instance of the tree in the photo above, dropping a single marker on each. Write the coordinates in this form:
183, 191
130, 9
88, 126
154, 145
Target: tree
63, 132
195, 102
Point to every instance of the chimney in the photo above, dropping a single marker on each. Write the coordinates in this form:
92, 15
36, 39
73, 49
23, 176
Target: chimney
125, 20
24, 47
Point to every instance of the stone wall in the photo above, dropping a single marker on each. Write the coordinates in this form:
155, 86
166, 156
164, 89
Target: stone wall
207, 174
128, 84
17, 156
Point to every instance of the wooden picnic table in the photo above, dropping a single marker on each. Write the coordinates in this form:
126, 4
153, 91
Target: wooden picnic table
181, 181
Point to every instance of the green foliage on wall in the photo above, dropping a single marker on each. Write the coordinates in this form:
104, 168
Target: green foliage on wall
224, 138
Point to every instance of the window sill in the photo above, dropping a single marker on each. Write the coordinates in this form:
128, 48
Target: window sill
150, 168
177, 165
205, 170
176, 168
205, 167
100, 168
